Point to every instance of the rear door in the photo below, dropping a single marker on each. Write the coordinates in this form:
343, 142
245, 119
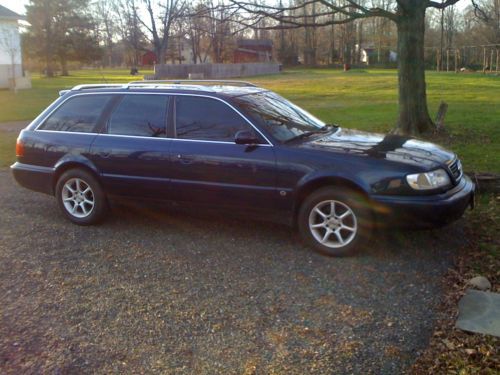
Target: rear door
132, 152
209, 167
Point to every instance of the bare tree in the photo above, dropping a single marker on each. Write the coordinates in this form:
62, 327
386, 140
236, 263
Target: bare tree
488, 12
195, 31
106, 25
161, 18
219, 29
450, 27
129, 29
409, 16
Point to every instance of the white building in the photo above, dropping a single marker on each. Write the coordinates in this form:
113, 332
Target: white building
372, 55
181, 52
11, 69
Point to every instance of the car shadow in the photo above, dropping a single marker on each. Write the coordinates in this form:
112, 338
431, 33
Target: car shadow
210, 223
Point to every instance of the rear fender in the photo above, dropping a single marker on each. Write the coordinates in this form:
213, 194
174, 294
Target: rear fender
70, 161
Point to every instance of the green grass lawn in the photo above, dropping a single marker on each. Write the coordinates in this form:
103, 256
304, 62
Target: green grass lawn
363, 99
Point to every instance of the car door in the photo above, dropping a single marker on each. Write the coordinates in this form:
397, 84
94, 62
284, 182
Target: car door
132, 152
209, 167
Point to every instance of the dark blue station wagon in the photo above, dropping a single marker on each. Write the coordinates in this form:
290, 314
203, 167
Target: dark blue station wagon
236, 146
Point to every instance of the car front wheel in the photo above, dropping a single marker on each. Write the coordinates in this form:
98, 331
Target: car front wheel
80, 197
335, 222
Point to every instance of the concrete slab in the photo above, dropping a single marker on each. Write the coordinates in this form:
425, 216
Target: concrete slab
479, 312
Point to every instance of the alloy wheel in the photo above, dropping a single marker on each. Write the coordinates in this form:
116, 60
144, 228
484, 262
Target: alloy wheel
333, 223
78, 198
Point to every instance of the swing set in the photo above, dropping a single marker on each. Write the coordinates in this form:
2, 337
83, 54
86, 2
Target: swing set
484, 57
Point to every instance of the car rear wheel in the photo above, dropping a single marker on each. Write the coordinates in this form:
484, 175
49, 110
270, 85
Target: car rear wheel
335, 222
80, 197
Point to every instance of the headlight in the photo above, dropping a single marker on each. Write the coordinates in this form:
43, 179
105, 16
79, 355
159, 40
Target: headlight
428, 180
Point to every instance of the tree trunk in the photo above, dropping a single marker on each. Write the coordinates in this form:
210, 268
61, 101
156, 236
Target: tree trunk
64, 66
413, 113
160, 55
49, 72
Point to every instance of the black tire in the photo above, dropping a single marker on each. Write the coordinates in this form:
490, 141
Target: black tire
359, 217
85, 213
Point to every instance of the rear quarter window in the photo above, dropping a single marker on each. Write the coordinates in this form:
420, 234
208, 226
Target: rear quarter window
77, 114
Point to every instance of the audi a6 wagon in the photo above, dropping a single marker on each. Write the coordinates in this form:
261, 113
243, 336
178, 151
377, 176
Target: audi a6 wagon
239, 147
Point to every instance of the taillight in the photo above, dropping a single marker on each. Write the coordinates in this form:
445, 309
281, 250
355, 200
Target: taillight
19, 148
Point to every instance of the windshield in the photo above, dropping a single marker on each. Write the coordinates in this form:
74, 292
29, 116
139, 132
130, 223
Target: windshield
283, 119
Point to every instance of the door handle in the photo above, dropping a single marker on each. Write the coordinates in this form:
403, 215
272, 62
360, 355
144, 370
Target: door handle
184, 160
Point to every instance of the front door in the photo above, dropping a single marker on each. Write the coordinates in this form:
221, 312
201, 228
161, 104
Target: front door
209, 167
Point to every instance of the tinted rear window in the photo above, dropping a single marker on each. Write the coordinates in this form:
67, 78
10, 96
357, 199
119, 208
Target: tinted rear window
140, 115
77, 114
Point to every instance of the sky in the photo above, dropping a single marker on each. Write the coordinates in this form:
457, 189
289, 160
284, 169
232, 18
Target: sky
15, 5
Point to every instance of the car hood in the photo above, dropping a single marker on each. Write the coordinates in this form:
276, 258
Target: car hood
390, 147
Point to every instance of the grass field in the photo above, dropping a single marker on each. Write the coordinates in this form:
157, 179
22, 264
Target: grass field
364, 99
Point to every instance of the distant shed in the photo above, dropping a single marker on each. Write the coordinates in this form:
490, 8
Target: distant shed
148, 58
253, 50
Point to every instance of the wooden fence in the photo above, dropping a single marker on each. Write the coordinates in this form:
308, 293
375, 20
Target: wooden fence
214, 71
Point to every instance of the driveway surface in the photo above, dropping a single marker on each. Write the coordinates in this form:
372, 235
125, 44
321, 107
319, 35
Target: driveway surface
158, 290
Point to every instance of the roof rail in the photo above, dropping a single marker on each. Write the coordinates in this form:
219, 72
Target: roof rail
159, 82
99, 86
195, 81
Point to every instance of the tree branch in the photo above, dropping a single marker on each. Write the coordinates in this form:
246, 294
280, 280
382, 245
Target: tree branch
352, 11
445, 4
480, 13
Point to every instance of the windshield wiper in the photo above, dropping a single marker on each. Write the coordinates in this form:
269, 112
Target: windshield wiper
304, 135
332, 126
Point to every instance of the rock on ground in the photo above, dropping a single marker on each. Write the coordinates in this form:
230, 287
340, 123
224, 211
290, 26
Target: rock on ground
480, 282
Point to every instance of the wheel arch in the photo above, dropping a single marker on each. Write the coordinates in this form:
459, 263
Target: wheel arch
320, 182
68, 163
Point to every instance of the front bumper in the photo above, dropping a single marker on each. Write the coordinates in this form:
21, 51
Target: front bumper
425, 211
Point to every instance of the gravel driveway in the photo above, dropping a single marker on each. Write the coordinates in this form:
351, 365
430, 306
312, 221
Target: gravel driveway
160, 291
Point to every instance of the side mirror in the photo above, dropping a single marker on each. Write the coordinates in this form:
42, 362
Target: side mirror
246, 137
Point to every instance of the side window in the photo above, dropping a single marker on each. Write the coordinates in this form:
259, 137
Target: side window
206, 119
77, 114
140, 115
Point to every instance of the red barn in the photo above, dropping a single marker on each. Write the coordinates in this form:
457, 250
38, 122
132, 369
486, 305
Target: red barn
253, 50
149, 58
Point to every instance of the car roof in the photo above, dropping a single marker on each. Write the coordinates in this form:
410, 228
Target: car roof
205, 87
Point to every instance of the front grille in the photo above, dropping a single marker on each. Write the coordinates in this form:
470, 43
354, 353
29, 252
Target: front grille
456, 169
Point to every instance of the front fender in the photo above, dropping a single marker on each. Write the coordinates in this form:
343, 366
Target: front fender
330, 175
320, 179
